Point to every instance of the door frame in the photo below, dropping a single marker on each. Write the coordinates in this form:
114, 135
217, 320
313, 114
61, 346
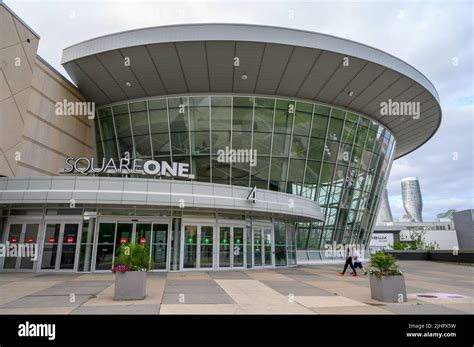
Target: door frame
199, 223
263, 226
23, 220
232, 224
134, 221
62, 220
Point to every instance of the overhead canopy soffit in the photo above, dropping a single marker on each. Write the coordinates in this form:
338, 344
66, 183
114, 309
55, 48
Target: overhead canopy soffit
199, 58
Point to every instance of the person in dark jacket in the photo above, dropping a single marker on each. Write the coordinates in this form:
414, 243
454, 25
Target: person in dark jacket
348, 254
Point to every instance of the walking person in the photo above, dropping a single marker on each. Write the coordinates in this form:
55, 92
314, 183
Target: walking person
358, 261
348, 254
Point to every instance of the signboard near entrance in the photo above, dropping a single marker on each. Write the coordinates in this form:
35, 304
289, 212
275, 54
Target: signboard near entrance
126, 166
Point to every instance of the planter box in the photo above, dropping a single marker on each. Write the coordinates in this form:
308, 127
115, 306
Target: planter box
130, 285
388, 288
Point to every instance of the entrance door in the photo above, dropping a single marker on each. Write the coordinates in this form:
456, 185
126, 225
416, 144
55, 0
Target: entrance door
26, 235
60, 246
231, 247
198, 246
113, 234
263, 247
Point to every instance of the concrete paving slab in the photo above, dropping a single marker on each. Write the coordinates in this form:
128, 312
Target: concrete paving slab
351, 310
327, 301
85, 283
229, 275
46, 301
118, 309
63, 290
198, 309
211, 289
296, 288
37, 310
196, 298
422, 309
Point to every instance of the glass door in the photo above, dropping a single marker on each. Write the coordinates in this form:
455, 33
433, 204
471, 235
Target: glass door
25, 236
263, 247
159, 247
207, 246
190, 247
60, 246
231, 247
257, 247
237, 247
198, 246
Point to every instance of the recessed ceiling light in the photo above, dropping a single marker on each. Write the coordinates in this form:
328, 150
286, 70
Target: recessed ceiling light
350, 93
128, 84
244, 77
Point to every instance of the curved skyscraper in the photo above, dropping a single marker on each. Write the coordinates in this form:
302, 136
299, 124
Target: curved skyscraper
412, 201
385, 214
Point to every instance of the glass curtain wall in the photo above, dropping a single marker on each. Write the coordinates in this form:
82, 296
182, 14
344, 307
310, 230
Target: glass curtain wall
338, 158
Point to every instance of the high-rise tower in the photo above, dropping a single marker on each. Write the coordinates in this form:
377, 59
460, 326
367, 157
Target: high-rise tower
412, 200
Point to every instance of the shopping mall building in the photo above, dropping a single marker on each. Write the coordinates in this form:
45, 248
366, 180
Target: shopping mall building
219, 146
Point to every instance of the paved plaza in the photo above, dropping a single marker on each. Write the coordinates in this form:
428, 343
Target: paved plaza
306, 289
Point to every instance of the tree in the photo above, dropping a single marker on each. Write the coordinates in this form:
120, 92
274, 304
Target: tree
415, 242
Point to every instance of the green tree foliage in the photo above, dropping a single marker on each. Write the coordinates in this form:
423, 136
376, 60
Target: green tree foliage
134, 256
382, 264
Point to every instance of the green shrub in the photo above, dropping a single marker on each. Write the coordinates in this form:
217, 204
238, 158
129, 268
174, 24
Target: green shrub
382, 264
134, 257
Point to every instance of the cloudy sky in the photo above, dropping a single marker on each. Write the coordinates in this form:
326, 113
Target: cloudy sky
436, 37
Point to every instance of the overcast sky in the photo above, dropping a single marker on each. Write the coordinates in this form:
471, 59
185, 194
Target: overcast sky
430, 35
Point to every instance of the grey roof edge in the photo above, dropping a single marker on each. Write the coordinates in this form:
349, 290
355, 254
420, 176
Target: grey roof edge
244, 32
18, 18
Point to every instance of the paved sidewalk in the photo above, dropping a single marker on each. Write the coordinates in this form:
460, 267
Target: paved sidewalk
315, 289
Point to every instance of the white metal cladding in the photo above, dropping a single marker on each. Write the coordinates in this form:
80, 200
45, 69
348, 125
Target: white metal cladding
152, 192
198, 58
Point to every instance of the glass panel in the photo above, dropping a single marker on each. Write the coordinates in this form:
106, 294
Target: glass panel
238, 251
159, 246
31, 236
263, 121
105, 247
159, 120
201, 168
320, 124
161, 144
107, 127
50, 248
220, 140
262, 143
14, 236
280, 244
257, 247
303, 115
267, 236
200, 117
200, 142
190, 243
124, 234
207, 233
180, 143
335, 129
143, 230
68, 252
178, 115
224, 246
299, 147
281, 145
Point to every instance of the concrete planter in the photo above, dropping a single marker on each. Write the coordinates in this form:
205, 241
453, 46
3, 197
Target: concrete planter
388, 288
130, 285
